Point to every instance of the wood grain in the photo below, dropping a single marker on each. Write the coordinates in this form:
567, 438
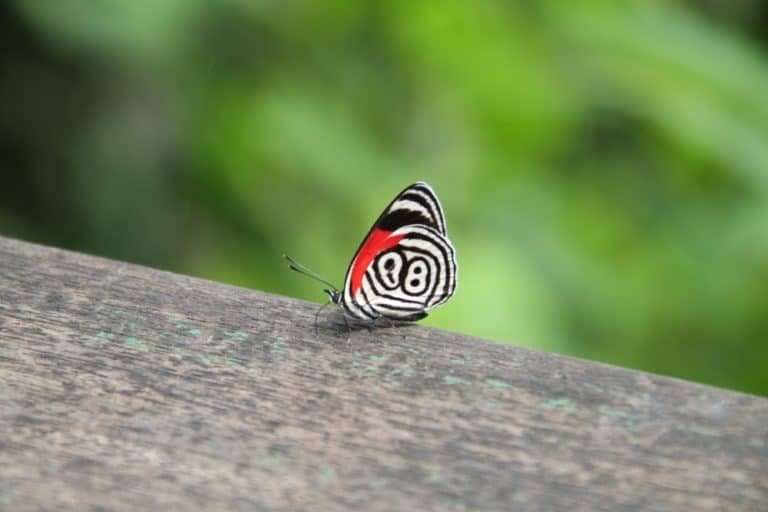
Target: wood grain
125, 388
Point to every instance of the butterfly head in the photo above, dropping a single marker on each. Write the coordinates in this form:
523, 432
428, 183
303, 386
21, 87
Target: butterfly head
333, 295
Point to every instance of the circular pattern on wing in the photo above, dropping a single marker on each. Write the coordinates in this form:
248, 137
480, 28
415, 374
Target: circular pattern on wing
414, 276
388, 269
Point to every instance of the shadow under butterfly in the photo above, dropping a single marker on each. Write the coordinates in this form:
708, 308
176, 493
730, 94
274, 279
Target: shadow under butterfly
404, 267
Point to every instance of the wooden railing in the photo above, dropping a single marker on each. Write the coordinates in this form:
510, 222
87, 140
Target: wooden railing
127, 388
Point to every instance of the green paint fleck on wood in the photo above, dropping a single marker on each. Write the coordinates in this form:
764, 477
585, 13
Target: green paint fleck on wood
277, 346
371, 368
703, 397
621, 416
607, 410
451, 380
434, 478
498, 384
237, 335
559, 403
379, 359
105, 335
202, 358
379, 483
194, 332
324, 477
135, 342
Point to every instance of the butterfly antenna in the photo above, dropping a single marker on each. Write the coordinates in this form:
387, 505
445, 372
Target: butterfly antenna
301, 269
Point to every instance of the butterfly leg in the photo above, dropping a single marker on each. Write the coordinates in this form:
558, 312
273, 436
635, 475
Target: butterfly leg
349, 329
317, 313
390, 322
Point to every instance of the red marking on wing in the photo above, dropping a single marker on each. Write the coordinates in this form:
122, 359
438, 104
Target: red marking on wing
378, 241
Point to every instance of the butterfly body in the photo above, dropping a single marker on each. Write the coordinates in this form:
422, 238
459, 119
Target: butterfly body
405, 265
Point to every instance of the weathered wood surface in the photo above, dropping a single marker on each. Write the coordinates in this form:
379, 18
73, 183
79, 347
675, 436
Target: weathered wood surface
126, 388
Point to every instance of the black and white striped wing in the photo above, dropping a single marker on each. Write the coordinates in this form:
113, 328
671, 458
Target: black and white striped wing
406, 265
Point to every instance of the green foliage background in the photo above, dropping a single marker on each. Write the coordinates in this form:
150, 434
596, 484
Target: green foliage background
603, 164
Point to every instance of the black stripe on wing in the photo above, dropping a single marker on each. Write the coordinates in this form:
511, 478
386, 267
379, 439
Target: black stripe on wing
417, 204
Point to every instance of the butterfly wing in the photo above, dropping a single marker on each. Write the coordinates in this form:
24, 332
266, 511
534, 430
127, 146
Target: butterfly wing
417, 204
405, 265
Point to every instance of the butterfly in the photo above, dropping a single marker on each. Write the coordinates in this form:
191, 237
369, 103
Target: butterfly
405, 265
